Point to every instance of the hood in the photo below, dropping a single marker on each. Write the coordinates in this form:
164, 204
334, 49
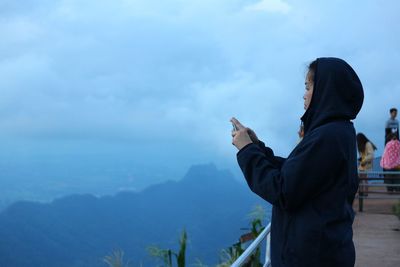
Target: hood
338, 94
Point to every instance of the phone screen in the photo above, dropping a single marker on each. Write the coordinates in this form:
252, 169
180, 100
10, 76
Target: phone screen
235, 127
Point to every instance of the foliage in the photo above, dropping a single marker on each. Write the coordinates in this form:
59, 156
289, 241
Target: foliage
116, 259
231, 254
166, 256
258, 213
180, 258
169, 258
198, 263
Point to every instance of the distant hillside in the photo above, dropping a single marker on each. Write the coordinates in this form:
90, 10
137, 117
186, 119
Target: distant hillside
79, 230
376, 164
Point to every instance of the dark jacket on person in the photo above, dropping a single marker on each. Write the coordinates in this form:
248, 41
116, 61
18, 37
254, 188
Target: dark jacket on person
312, 190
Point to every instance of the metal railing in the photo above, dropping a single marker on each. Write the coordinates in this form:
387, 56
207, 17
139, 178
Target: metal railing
376, 180
251, 249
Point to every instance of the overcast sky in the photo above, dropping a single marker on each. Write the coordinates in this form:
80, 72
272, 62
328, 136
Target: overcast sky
161, 78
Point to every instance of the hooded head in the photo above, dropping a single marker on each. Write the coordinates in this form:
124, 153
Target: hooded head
337, 93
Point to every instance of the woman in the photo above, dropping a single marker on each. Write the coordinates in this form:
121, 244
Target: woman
313, 188
366, 150
390, 161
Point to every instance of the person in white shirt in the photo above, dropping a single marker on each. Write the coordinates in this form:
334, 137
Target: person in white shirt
392, 125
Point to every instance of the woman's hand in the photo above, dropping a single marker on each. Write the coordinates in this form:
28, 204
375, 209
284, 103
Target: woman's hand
252, 135
243, 135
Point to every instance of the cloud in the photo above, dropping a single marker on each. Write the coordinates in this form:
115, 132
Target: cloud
272, 6
123, 70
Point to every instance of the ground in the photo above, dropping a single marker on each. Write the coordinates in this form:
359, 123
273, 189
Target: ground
377, 234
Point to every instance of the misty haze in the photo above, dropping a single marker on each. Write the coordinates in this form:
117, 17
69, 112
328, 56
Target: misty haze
114, 116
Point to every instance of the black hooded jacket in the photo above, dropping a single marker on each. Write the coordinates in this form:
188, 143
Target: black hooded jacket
312, 190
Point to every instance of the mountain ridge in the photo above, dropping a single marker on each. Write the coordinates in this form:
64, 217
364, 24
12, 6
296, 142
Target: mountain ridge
210, 204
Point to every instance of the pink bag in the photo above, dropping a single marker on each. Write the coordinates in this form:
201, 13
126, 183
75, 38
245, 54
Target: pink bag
391, 155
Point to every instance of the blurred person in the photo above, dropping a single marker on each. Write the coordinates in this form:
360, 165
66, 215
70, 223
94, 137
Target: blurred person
390, 161
366, 151
392, 125
311, 190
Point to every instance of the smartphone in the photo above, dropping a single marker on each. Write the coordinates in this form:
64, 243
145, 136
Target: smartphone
235, 128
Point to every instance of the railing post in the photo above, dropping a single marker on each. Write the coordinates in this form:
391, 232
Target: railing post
360, 201
268, 251
252, 247
389, 178
360, 192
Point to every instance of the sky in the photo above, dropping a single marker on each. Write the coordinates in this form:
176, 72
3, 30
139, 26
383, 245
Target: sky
157, 81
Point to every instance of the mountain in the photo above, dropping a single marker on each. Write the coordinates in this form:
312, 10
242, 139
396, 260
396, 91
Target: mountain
79, 230
376, 164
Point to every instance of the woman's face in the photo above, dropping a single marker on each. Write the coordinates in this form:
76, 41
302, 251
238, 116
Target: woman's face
309, 90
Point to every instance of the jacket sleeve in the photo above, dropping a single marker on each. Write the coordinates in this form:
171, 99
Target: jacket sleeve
268, 152
306, 172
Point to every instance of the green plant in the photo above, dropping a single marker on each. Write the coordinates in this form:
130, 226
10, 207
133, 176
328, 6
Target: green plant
257, 213
198, 263
166, 255
116, 259
180, 258
231, 254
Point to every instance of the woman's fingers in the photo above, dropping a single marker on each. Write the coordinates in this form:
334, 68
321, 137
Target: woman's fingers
241, 135
241, 138
237, 123
252, 134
